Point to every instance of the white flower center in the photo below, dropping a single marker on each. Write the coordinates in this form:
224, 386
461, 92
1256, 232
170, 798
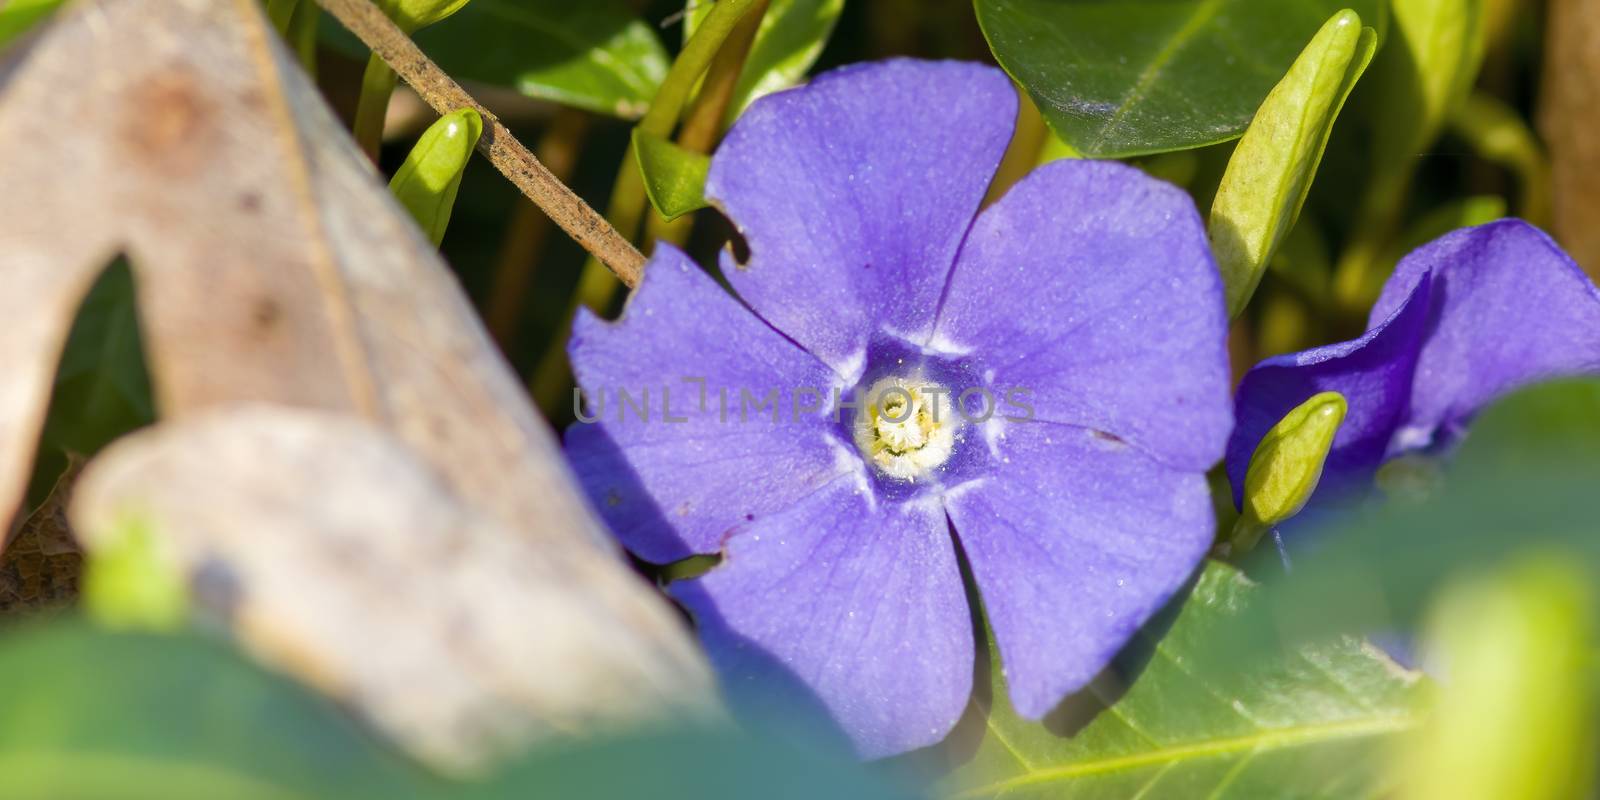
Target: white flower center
907, 427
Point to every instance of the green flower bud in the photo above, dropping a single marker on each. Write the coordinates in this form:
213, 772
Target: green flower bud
428, 181
1287, 466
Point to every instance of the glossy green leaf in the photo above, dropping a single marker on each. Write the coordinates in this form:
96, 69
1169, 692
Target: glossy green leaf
1287, 465
19, 16
102, 388
1308, 724
1515, 716
674, 178
790, 38
91, 713
1126, 77
595, 55
427, 183
1271, 170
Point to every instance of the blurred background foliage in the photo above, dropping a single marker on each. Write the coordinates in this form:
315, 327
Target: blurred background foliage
1484, 578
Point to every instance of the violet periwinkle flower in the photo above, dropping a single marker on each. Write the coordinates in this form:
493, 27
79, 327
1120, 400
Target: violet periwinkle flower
1463, 320
1085, 304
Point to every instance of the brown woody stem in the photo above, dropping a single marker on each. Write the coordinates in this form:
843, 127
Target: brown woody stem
521, 167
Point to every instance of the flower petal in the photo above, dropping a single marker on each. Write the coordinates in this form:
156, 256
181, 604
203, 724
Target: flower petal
1509, 309
1374, 374
853, 608
854, 193
673, 488
1091, 286
1075, 542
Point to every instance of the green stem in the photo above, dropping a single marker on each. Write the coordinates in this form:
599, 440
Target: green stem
377, 86
703, 123
303, 35
625, 209
691, 64
281, 13
1360, 273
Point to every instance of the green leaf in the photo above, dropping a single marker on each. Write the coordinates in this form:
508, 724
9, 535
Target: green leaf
102, 388
19, 16
790, 38
1270, 172
595, 55
91, 713
1516, 716
674, 178
414, 15
97, 714
1144, 76
1425, 76
687, 763
427, 183
1287, 466
1305, 724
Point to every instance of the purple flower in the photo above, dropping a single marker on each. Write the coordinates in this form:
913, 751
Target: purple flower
1465, 319
1083, 311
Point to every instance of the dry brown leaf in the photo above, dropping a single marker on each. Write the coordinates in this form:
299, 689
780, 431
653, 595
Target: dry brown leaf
1569, 116
273, 267
40, 568
337, 555
271, 263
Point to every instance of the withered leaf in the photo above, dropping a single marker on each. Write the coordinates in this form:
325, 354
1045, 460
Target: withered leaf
273, 268
337, 555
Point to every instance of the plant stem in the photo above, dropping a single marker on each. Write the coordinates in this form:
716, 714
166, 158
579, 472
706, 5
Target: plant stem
280, 12
372, 110
508, 155
626, 208
303, 34
1359, 274
558, 148
703, 124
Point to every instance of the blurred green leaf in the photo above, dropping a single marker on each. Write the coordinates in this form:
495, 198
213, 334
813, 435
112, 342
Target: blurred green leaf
19, 16
1425, 75
690, 764
91, 713
1464, 212
1126, 77
1311, 723
1303, 261
1287, 465
790, 38
102, 388
595, 54
1271, 170
130, 584
1499, 135
427, 183
674, 178
1515, 712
